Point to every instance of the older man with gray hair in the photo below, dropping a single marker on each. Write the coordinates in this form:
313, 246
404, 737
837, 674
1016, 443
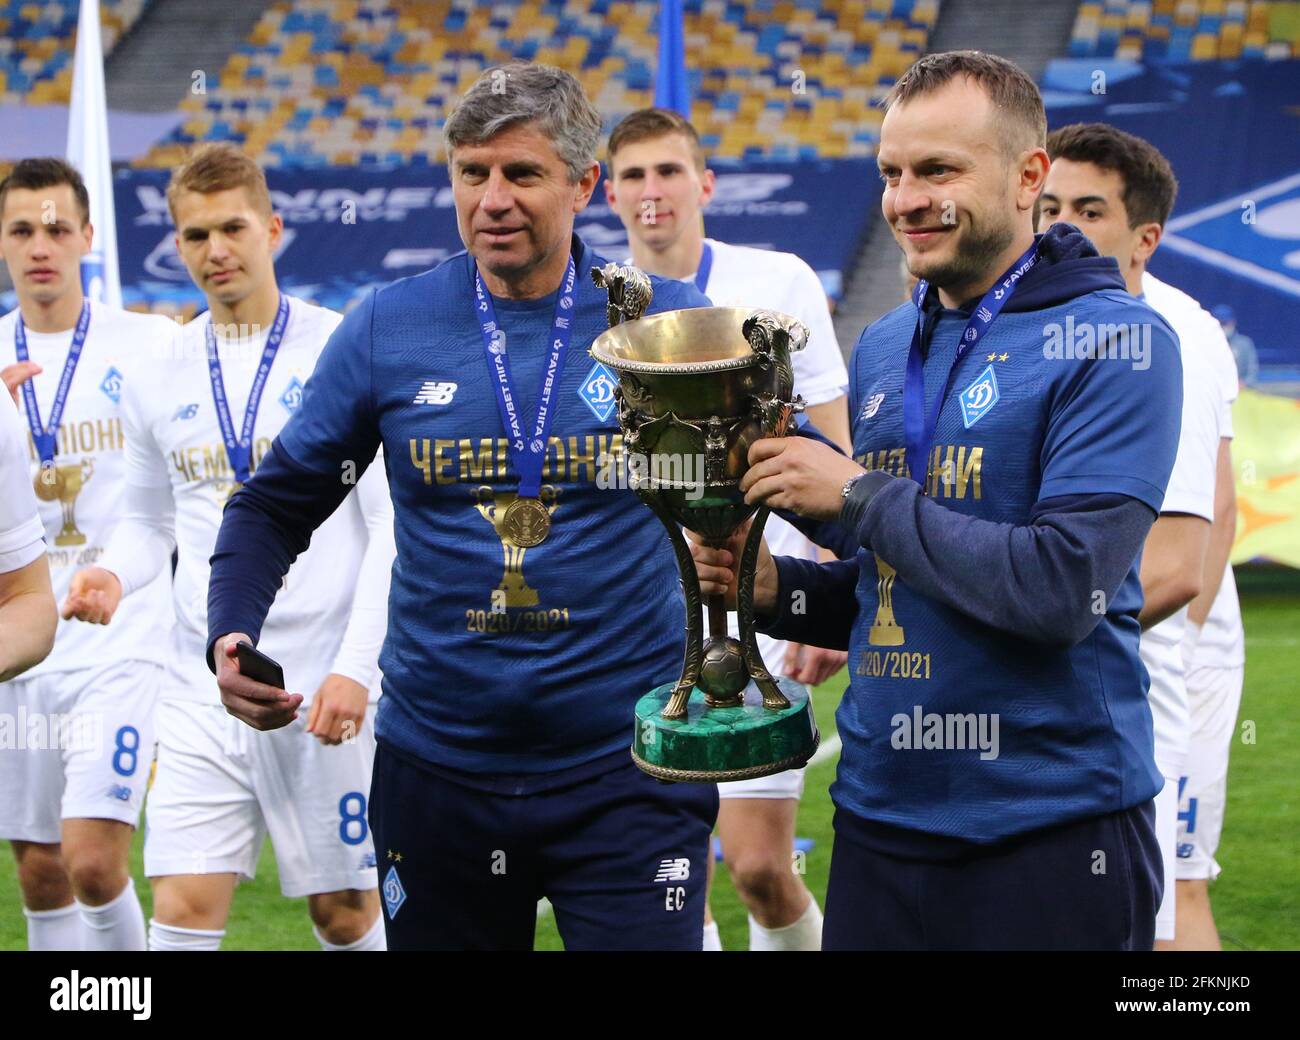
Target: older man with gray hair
530, 608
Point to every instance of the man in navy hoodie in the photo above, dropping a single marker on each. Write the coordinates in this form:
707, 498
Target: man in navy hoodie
1014, 428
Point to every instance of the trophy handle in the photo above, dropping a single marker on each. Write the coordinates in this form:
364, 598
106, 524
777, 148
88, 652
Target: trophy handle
772, 695
676, 706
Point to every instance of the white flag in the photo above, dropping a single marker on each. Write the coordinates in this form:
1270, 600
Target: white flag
88, 152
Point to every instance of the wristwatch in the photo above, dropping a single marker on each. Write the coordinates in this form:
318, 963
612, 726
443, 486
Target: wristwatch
848, 486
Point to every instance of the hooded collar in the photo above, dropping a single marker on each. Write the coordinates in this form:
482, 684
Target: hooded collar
1068, 266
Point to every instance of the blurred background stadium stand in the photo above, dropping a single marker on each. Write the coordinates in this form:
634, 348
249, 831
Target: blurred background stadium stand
343, 101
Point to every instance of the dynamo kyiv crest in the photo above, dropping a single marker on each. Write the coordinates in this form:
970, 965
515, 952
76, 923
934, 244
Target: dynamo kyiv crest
979, 398
112, 385
597, 390
393, 892
292, 396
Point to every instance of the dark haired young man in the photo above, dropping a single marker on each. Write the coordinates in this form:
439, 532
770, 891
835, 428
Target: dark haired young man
73, 791
1119, 190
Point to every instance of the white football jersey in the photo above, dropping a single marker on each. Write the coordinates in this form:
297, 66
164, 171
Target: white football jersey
745, 277
174, 443
79, 509
1222, 643
22, 535
1191, 491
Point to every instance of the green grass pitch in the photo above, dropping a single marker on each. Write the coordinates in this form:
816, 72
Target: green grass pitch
1256, 901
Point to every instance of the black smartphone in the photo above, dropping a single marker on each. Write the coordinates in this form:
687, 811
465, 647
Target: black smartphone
257, 666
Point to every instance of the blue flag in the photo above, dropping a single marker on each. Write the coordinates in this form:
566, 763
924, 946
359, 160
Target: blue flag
671, 90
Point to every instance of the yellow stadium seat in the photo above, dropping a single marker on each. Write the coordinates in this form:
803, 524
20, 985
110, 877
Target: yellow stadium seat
1230, 44
1205, 47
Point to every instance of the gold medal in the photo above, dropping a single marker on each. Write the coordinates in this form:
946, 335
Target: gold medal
49, 483
527, 522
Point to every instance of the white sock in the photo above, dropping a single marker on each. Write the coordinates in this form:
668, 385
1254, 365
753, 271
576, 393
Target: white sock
372, 941
803, 934
117, 925
169, 937
712, 940
54, 929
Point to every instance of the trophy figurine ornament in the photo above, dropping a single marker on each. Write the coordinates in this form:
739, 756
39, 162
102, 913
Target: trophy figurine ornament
696, 388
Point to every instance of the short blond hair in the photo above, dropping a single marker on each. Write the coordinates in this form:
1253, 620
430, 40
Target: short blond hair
219, 166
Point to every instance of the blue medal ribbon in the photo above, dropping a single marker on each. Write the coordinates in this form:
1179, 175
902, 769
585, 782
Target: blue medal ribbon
46, 438
706, 266
919, 423
239, 450
528, 455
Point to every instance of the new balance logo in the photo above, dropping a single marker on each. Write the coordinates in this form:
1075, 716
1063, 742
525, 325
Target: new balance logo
674, 870
186, 411
435, 393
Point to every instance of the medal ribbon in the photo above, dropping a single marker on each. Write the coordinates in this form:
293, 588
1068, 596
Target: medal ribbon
528, 457
239, 451
44, 438
706, 265
919, 422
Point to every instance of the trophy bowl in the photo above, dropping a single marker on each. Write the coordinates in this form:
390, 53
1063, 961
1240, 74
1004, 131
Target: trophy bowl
695, 389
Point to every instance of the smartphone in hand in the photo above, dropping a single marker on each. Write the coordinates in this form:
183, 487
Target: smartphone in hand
257, 666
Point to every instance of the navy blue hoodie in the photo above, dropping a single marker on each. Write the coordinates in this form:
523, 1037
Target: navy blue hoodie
1005, 593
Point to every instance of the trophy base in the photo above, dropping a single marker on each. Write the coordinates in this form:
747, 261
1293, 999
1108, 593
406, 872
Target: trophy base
714, 745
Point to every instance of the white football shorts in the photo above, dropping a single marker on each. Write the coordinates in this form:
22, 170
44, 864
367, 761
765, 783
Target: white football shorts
222, 786
76, 745
1167, 836
1214, 695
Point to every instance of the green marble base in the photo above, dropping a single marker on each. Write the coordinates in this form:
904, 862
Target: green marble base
712, 745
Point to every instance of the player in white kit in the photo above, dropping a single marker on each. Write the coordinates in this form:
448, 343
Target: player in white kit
1214, 653
73, 787
1119, 191
658, 184
28, 616
222, 786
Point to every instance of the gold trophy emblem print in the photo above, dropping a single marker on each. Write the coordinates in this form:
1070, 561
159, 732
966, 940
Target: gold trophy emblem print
62, 484
520, 523
885, 629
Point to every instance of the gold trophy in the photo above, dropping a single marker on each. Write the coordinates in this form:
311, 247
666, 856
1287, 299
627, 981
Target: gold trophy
63, 484
696, 388
885, 629
518, 535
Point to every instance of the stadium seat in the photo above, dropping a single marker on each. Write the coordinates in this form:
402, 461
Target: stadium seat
38, 42
353, 62
1187, 30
